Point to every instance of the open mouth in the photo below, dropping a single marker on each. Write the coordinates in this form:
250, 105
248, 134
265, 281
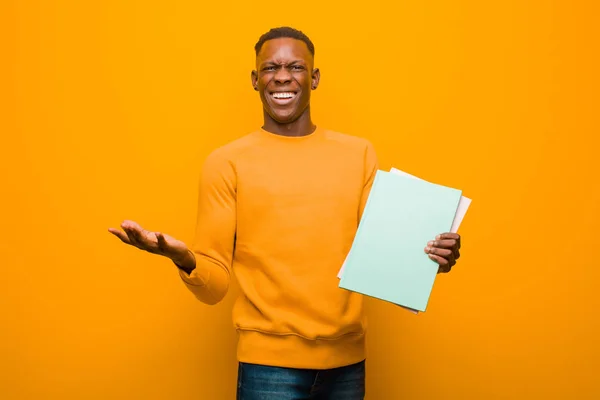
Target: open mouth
283, 97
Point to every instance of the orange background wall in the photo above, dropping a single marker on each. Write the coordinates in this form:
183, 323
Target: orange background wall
108, 109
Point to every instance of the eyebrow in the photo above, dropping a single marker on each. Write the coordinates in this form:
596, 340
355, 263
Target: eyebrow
269, 63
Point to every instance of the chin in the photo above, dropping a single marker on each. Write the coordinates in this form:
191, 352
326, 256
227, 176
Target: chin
284, 118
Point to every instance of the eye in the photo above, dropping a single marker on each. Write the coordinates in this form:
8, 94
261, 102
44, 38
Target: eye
297, 67
269, 68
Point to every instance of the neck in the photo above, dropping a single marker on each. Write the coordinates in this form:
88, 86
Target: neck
300, 127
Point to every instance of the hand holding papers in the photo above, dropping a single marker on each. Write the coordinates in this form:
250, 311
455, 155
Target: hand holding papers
402, 214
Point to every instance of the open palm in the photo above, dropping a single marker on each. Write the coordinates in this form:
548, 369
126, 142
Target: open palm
152, 242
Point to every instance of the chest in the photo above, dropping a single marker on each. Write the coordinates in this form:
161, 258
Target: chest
278, 181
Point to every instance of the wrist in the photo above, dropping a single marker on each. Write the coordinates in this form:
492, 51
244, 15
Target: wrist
185, 261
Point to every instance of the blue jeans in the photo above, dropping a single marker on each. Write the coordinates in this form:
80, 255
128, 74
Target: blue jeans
260, 382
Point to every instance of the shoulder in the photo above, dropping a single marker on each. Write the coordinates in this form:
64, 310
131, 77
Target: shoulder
234, 149
353, 143
221, 162
360, 147
345, 138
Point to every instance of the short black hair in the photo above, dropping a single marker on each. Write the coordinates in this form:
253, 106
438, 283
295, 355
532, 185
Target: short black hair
284, 32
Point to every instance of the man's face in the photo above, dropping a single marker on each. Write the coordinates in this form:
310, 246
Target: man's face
284, 77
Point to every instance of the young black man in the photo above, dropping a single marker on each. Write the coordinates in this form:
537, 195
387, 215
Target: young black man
279, 208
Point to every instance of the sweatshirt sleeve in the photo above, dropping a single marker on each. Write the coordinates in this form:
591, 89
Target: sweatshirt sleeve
214, 238
371, 167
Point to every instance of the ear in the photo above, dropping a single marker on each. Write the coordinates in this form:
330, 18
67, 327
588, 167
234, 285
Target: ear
254, 79
316, 77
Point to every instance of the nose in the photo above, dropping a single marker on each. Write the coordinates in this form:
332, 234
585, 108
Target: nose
283, 75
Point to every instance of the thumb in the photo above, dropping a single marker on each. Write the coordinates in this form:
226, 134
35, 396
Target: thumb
162, 242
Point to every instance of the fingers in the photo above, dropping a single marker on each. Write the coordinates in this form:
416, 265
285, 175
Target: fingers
162, 242
442, 243
451, 236
138, 236
444, 265
164, 247
444, 257
451, 244
130, 229
448, 235
448, 240
445, 253
120, 234
132, 225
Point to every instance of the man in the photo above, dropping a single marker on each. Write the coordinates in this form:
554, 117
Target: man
280, 207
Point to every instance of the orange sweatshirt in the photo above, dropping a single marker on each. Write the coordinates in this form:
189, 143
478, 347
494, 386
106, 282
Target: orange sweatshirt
281, 214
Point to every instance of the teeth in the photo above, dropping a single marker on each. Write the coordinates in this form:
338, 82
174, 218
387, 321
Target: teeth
283, 95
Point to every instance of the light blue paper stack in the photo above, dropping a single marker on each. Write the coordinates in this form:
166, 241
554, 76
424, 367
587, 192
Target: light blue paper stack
387, 259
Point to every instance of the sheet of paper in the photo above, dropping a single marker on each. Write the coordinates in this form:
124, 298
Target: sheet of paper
463, 206
386, 260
